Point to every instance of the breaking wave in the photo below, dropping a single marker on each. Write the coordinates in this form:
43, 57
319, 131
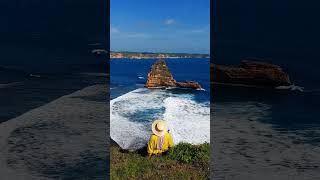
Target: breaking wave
132, 114
291, 88
10, 84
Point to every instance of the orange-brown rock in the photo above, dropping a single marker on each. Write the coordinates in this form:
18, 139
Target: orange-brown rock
250, 73
160, 76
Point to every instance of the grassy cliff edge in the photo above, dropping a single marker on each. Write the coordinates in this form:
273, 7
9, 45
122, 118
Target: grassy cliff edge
183, 161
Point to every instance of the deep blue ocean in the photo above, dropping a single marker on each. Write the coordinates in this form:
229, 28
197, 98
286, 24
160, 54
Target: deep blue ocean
45, 51
33, 76
128, 74
282, 33
133, 107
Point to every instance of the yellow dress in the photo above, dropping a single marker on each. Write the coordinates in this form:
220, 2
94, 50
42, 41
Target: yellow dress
152, 145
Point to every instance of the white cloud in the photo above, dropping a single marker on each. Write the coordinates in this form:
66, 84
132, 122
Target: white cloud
114, 30
169, 22
116, 33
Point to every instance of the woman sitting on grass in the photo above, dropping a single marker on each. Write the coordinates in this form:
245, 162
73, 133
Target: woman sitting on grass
161, 140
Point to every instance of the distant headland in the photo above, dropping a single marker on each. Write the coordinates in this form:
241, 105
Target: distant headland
150, 55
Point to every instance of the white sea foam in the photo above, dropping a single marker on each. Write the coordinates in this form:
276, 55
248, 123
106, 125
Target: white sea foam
34, 75
201, 89
291, 87
10, 84
188, 120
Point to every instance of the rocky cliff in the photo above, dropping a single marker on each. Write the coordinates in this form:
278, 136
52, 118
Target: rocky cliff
160, 76
250, 73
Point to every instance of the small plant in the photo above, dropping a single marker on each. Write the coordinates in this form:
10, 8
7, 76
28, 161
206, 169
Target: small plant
188, 153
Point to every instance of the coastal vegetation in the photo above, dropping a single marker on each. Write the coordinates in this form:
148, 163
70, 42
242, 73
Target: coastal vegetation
183, 161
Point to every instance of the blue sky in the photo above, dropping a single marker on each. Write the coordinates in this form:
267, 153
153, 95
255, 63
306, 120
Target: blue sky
160, 25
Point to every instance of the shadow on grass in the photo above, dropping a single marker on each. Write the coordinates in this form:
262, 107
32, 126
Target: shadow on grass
142, 151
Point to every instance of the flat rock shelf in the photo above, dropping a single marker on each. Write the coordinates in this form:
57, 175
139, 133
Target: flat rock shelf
247, 149
64, 139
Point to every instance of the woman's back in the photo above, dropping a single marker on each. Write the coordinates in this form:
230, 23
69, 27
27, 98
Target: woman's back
153, 145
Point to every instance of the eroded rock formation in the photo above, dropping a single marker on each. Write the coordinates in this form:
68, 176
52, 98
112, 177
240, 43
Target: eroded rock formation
250, 73
160, 76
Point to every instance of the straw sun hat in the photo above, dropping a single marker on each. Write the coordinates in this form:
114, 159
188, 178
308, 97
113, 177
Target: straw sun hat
159, 127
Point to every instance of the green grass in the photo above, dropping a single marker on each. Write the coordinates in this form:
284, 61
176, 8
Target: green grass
183, 161
194, 154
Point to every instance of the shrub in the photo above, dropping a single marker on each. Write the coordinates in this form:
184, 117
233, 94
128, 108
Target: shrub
188, 153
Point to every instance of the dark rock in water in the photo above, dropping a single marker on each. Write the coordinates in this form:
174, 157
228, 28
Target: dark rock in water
160, 76
189, 84
250, 73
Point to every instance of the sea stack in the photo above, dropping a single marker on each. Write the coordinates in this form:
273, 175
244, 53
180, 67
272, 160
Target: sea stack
160, 76
251, 73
